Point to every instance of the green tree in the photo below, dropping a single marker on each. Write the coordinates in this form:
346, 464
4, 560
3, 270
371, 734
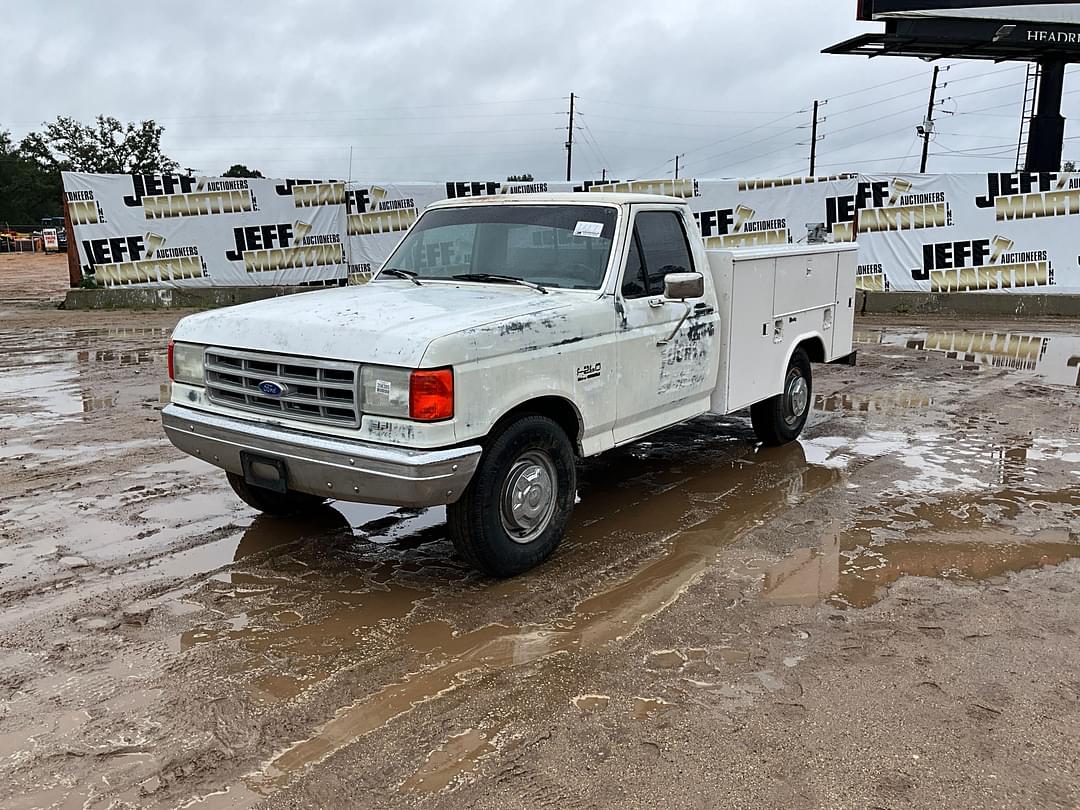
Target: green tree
240, 170
28, 192
1069, 166
105, 147
519, 178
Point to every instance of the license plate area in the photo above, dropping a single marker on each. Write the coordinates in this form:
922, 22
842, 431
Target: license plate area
265, 471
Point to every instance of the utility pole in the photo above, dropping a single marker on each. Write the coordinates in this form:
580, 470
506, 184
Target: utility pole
814, 140
570, 140
603, 175
928, 124
676, 167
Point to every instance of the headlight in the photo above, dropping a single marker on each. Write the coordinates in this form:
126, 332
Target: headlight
385, 391
186, 363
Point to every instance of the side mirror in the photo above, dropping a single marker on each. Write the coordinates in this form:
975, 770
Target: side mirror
680, 286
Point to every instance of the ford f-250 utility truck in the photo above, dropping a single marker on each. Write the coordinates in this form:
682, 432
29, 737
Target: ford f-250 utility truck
504, 339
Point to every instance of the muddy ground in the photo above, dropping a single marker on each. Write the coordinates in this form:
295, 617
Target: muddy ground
883, 615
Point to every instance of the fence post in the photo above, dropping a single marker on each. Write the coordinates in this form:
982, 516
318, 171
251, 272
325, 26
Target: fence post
74, 270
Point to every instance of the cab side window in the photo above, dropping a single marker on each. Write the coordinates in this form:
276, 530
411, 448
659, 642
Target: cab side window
663, 246
635, 284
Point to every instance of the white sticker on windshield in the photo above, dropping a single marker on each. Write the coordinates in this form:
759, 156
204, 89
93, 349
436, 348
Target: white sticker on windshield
593, 230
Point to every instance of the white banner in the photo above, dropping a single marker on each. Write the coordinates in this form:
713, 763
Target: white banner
175, 230
939, 233
966, 232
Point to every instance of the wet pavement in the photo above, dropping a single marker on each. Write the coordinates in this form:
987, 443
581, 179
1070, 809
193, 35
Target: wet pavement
883, 614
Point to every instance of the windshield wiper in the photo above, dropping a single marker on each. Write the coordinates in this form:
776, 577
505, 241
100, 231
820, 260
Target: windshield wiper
399, 273
500, 280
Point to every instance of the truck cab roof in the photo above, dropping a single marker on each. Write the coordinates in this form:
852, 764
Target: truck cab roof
562, 198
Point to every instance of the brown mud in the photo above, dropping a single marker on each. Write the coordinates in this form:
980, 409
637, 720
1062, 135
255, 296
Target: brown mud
884, 614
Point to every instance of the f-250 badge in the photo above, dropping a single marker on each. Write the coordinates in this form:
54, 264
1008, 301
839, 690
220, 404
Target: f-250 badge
590, 372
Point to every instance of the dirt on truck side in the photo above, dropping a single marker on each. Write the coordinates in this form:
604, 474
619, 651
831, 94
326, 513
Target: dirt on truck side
883, 614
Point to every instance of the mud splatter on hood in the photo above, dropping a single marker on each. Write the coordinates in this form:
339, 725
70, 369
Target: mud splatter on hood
390, 322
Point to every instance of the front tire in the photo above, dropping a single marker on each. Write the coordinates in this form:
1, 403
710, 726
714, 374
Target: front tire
273, 503
780, 419
514, 512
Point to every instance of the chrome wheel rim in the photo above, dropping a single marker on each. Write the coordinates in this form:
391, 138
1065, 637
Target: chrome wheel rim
528, 497
796, 398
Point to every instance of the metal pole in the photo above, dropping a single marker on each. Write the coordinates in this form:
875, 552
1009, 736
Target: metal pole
676, 167
1045, 139
570, 140
928, 125
813, 141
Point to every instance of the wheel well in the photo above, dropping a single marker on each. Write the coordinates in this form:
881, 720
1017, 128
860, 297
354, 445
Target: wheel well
815, 349
559, 410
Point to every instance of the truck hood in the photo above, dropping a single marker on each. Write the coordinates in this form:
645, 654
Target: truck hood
387, 322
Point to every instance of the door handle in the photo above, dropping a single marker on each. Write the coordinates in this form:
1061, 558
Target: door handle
656, 303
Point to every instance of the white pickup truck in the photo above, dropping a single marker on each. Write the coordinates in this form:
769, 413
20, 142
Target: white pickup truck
504, 339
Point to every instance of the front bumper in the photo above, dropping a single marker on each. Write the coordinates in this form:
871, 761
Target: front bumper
332, 467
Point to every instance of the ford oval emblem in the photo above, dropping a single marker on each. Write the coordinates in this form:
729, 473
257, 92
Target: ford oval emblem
273, 389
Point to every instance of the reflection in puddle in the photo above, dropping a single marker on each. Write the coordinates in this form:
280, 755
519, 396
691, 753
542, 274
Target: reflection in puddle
644, 708
851, 569
49, 391
1053, 357
589, 704
877, 402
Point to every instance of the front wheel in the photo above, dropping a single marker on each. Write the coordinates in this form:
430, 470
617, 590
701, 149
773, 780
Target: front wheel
780, 419
514, 512
273, 503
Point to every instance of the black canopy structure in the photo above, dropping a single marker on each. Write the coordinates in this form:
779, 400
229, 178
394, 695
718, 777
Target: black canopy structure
1045, 32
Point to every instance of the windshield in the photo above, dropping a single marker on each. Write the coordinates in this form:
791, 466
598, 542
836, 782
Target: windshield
563, 246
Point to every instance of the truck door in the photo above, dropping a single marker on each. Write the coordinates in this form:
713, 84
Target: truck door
663, 377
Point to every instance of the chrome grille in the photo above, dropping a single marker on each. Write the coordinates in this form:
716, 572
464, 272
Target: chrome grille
321, 391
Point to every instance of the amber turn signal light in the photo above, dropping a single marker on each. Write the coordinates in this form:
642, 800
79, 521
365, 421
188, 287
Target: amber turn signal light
431, 395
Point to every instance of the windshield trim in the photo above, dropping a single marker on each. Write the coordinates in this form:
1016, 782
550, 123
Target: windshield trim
614, 253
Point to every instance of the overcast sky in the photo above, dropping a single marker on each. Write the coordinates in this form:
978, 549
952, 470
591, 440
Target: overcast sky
477, 89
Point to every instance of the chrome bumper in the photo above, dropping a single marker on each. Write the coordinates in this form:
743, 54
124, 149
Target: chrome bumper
337, 468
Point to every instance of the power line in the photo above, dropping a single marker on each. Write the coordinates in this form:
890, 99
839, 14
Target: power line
738, 111
877, 102
472, 132
877, 86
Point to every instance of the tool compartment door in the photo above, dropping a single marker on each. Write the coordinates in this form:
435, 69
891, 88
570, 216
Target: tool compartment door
844, 320
804, 282
753, 355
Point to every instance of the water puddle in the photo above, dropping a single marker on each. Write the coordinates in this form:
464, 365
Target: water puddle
49, 392
591, 704
645, 708
717, 504
854, 568
882, 402
1055, 358
459, 755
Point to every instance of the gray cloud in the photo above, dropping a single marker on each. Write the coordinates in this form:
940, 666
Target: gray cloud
427, 90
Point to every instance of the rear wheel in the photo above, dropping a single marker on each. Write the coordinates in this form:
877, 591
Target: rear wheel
514, 512
273, 503
780, 419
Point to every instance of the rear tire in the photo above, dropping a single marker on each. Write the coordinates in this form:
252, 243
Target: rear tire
273, 503
514, 512
780, 419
